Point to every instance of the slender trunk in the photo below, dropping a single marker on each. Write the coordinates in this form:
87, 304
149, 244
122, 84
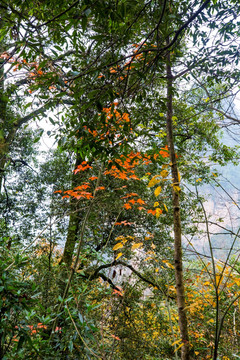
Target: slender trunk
3, 106
8, 128
183, 325
3, 144
66, 262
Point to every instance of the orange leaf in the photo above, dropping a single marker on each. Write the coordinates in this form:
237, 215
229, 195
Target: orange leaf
100, 188
82, 167
151, 212
124, 222
134, 177
82, 194
164, 152
129, 195
140, 201
82, 187
118, 292
132, 201
116, 337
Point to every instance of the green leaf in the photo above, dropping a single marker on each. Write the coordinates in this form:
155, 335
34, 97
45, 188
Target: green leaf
84, 23
51, 121
20, 342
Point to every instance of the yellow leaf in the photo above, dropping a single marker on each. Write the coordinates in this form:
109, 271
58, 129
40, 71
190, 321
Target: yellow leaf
161, 114
207, 283
179, 176
219, 267
210, 321
121, 237
164, 173
199, 180
157, 270
168, 264
117, 246
158, 212
118, 256
137, 246
153, 182
176, 188
157, 191
161, 134
237, 281
179, 347
148, 258
156, 204
219, 279
193, 305
176, 342
165, 207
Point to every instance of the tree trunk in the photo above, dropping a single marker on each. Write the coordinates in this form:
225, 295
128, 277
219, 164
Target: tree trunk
3, 144
183, 325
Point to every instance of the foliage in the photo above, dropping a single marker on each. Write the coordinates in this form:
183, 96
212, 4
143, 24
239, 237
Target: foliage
133, 92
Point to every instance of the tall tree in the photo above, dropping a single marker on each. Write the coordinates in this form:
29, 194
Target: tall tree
81, 58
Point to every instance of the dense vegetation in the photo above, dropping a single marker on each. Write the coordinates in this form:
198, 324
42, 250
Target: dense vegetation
111, 245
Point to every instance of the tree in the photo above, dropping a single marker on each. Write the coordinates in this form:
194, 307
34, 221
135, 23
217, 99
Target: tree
137, 54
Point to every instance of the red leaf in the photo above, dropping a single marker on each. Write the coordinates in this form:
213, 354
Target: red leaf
100, 188
116, 337
124, 222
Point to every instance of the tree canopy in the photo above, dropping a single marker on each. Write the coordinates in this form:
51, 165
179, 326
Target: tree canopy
100, 235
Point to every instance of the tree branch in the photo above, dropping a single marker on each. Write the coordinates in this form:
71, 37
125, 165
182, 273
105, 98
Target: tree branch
152, 49
97, 273
41, 110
